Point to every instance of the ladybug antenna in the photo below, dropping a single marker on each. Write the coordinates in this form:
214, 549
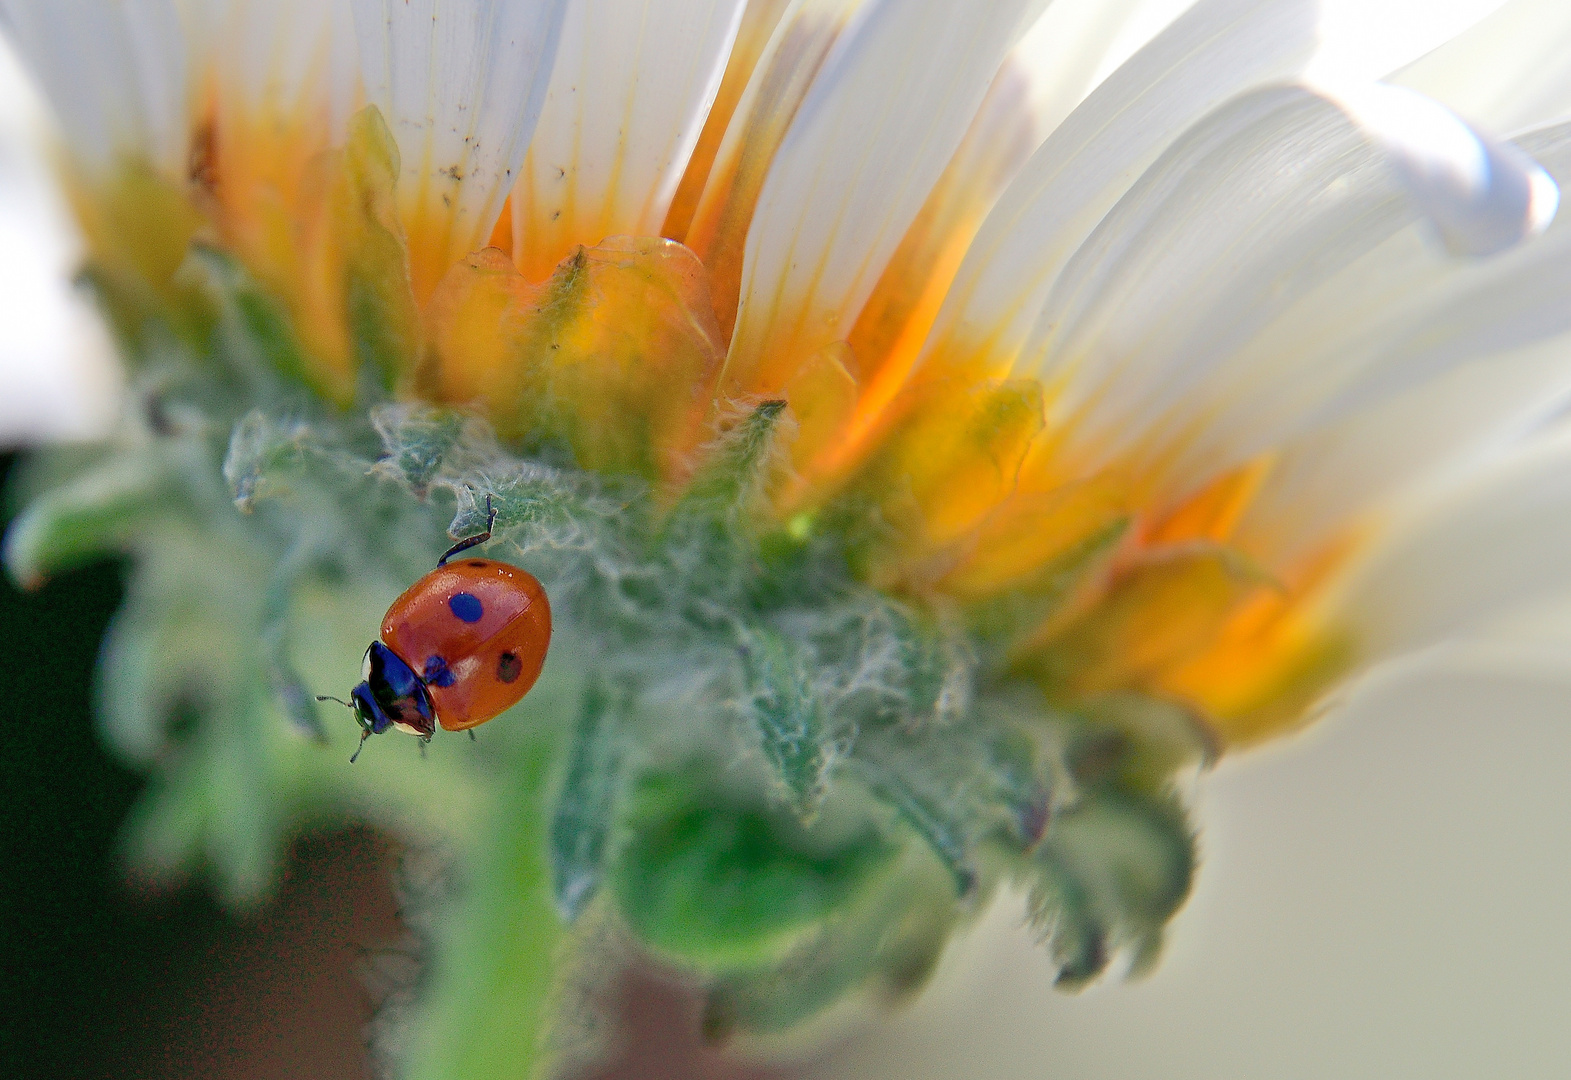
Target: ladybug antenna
364, 735
479, 538
330, 697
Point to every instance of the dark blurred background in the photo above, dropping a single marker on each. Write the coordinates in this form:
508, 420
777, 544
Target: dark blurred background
104, 978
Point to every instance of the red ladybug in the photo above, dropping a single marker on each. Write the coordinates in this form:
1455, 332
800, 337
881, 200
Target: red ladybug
462, 645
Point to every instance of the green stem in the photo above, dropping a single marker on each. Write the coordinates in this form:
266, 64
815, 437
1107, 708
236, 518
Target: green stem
489, 1000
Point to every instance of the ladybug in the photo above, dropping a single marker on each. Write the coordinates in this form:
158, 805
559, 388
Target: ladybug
460, 646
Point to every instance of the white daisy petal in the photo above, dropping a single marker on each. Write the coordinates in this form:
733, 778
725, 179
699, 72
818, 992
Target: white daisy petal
880, 123
280, 58
116, 75
1401, 318
1344, 472
1197, 326
1217, 49
460, 86
802, 39
1482, 196
633, 82
1063, 54
1533, 88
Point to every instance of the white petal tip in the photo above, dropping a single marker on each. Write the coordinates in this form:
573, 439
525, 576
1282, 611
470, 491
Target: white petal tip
1481, 196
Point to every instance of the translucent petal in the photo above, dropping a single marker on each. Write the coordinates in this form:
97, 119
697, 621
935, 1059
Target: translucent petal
282, 58
633, 82
1510, 72
874, 133
802, 39
461, 86
1492, 542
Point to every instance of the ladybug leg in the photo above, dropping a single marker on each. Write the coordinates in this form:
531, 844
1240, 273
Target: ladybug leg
425, 741
364, 735
479, 538
472, 735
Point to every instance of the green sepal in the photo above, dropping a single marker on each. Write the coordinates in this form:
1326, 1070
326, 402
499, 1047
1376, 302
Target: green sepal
887, 943
582, 818
1110, 874
1136, 741
785, 719
721, 882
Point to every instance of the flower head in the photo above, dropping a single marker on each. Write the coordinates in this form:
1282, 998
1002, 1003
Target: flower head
933, 446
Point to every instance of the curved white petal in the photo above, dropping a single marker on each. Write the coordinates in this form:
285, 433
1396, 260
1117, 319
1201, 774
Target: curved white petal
1256, 284
878, 126
1062, 56
1217, 49
460, 85
115, 74
1482, 196
1510, 72
633, 82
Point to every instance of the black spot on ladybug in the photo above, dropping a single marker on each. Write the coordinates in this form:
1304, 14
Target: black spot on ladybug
478, 564
466, 606
508, 667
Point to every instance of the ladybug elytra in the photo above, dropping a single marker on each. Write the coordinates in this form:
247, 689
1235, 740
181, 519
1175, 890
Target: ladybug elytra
459, 647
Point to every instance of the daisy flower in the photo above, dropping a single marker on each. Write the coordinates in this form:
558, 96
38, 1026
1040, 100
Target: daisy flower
939, 428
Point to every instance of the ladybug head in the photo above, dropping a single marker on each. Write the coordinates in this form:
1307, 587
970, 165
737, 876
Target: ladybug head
391, 695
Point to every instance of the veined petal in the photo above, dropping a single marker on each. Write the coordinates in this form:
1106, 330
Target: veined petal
1066, 50
461, 86
633, 82
1140, 308
116, 75
873, 134
759, 20
1039, 82
290, 61
1533, 88
1216, 50
1477, 344
781, 79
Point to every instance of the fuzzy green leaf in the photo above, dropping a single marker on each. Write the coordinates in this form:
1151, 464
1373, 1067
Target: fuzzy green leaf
582, 820
785, 719
730, 885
